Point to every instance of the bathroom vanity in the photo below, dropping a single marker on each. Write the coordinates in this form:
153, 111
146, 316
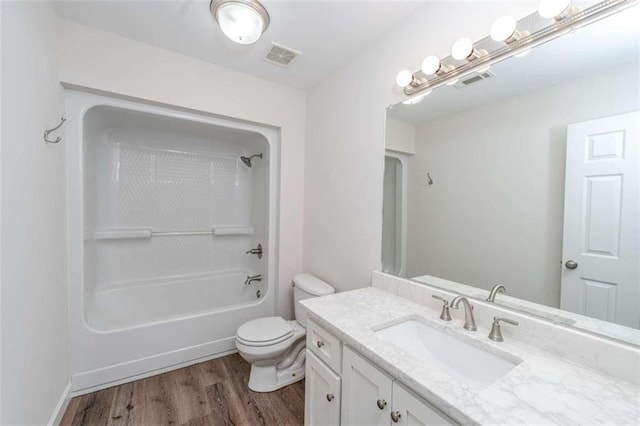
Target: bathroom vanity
381, 355
348, 388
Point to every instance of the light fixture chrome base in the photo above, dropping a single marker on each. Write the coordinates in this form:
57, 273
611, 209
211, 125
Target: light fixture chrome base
529, 38
253, 4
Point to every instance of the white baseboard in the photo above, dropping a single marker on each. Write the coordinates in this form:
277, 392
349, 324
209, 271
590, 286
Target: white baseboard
118, 374
61, 406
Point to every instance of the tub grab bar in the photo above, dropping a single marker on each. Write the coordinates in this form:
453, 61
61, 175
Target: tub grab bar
137, 233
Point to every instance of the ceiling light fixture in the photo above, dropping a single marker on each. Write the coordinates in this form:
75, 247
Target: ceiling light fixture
468, 57
463, 50
506, 29
432, 65
242, 21
404, 78
522, 54
416, 99
555, 9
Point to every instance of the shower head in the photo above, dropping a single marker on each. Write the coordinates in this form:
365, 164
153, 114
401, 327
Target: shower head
247, 160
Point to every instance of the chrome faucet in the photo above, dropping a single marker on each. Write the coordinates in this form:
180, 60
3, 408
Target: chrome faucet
498, 288
496, 334
257, 251
469, 321
253, 278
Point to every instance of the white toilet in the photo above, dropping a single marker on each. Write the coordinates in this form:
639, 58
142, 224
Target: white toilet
275, 348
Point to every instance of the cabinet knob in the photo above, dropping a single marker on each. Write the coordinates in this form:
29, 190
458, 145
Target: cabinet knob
319, 344
381, 404
330, 397
395, 416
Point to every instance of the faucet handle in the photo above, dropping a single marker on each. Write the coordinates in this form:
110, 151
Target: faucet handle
496, 334
507, 320
444, 315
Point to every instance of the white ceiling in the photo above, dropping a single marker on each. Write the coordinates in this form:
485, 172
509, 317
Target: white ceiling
328, 33
597, 48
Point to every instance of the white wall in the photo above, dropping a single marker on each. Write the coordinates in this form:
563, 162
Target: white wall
495, 213
104, 61
345, 136
400, 136
33, 243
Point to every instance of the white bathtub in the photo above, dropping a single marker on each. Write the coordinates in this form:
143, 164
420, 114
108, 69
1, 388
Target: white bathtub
161, 214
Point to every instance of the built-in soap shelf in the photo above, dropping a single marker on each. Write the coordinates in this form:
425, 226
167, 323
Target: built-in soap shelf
148, 232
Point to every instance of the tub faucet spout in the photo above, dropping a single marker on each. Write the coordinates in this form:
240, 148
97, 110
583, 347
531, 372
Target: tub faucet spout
253, 278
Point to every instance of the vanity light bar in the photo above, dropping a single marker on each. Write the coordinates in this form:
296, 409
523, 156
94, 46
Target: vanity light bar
514, 42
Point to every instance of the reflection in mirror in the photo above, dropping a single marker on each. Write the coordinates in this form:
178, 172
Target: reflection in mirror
527, 175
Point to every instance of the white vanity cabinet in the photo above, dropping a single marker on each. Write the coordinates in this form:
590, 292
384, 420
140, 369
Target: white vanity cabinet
322, 393
367, 391
355, 391
372, 397
410, 410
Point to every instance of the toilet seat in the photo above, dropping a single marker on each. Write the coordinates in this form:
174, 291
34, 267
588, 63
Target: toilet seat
265, 331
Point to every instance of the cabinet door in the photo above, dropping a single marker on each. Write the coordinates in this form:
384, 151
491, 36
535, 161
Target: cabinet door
322, 394
366, 392
410, 410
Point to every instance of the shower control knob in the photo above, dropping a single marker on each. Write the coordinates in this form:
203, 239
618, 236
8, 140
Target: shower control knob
319, 344
381, 404
257, 251
330, 397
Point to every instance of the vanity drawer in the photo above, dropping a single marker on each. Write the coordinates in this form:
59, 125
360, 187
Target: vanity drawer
324, 345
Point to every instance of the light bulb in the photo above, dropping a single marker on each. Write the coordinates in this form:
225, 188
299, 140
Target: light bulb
462, 49
404, 78
240, 23
556, 9
416, 99
431, 65
504, 28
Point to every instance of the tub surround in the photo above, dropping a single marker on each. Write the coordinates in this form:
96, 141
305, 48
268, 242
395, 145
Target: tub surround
545, 387
144, 285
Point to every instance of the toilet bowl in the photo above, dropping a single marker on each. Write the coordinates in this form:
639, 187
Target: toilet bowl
274, 347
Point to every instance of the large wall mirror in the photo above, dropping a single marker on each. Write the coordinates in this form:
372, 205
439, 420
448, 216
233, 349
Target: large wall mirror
527, 175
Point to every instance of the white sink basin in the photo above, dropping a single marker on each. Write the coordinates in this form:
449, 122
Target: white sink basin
464, 362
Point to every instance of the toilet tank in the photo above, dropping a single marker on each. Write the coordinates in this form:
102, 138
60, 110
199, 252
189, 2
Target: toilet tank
304, 287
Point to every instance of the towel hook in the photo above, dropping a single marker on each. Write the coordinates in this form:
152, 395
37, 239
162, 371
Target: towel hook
46, 132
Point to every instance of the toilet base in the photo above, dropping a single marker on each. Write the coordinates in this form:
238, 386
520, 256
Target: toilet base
269, 378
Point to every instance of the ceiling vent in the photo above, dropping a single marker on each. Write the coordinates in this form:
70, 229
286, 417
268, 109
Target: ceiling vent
474, 79
281, 55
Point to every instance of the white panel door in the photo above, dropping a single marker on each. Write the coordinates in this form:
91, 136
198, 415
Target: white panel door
322, 394
409, 410
601, 240
366, 392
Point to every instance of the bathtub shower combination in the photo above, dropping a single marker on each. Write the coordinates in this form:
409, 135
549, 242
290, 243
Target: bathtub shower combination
172, 235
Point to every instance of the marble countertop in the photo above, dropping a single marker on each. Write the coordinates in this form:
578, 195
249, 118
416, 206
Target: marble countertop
604, 328
542, 389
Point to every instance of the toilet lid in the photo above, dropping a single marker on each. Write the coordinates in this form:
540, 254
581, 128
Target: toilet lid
263, 330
